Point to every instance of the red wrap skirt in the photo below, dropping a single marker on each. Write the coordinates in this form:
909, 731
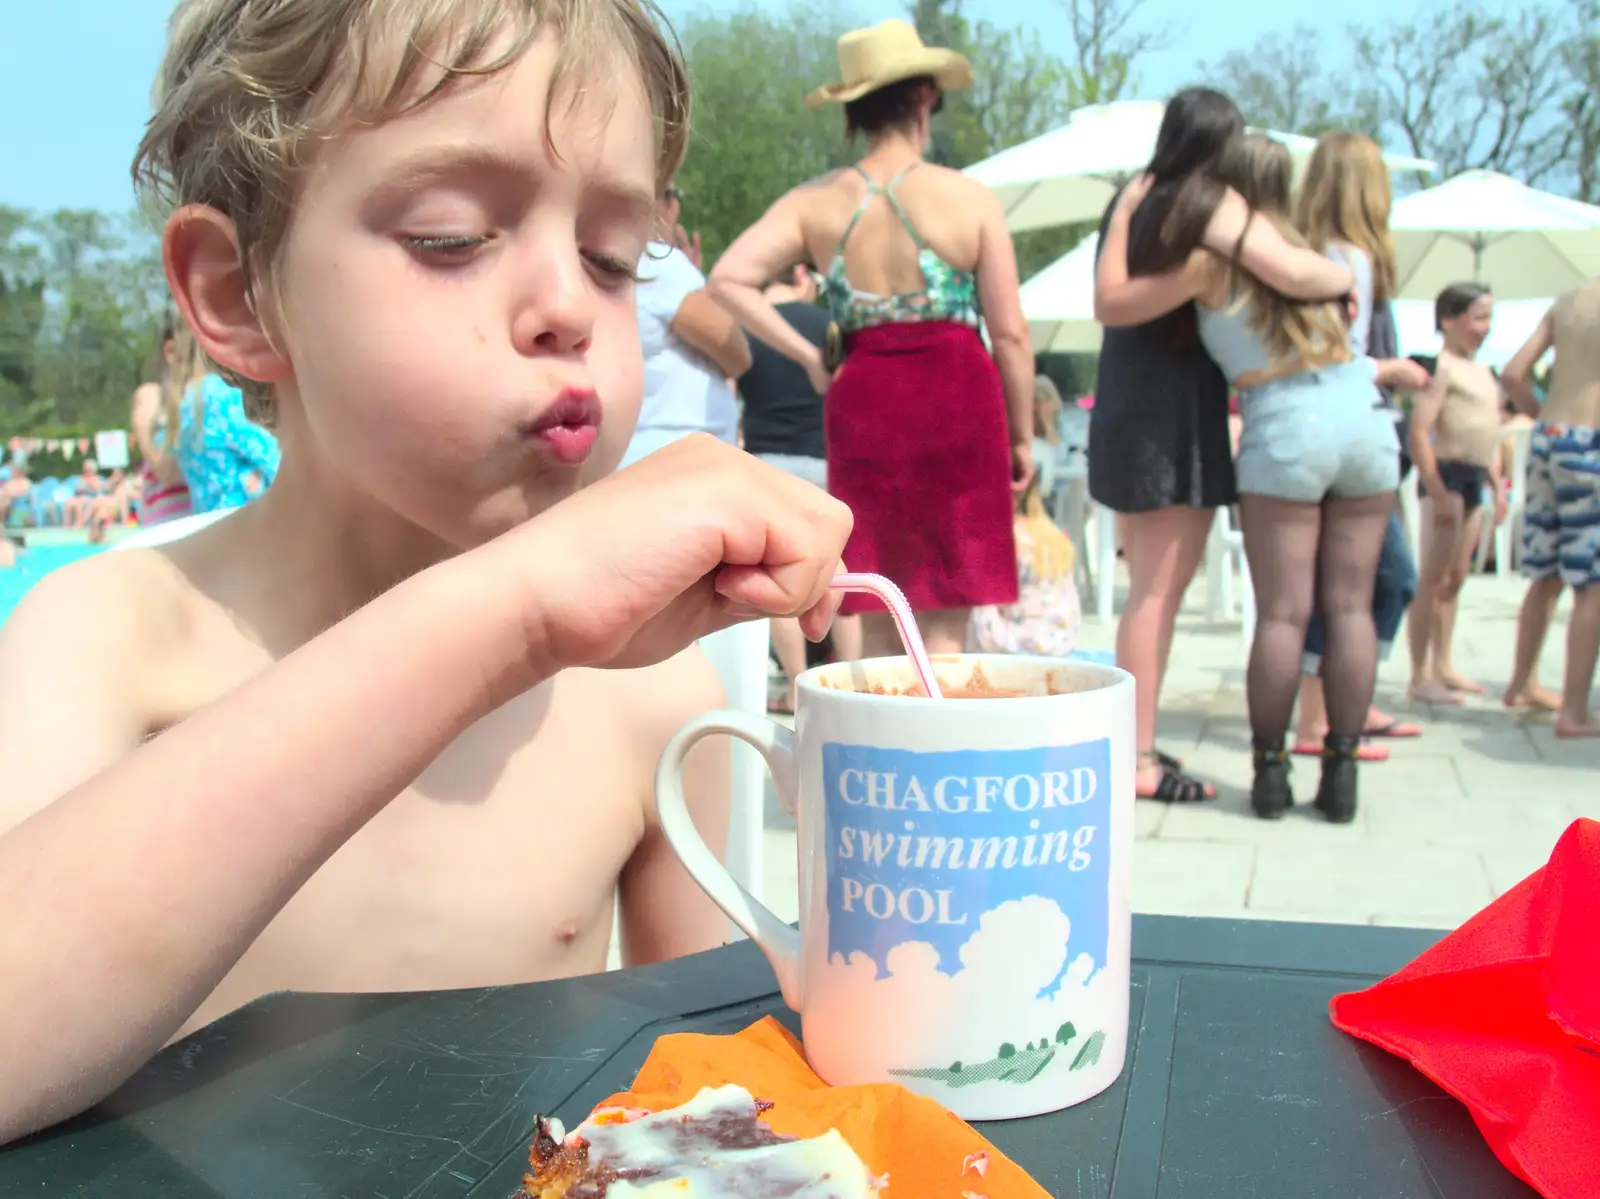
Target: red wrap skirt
919, 448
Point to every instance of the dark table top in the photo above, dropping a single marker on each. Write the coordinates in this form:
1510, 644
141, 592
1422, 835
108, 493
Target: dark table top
1236, 1085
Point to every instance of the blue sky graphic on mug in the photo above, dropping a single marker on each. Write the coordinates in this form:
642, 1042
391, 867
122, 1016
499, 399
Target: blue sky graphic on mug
921, 846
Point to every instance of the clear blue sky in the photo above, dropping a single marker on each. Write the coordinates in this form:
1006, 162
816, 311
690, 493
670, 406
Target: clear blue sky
75, 75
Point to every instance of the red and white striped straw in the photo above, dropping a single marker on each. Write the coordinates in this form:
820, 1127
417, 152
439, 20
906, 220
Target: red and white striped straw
894, 599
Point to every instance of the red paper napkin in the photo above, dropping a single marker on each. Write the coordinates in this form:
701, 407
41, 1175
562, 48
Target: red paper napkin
1504, 1014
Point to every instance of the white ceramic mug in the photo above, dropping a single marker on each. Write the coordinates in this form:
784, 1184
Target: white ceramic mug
965, 871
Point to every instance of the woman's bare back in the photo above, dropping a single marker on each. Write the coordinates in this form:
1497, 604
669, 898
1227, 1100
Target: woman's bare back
880, 257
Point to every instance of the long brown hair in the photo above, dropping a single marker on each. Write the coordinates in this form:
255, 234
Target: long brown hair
1259, 169
1346, 197
1168, 224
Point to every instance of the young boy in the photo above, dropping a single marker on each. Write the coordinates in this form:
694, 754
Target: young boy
1455, 443
338, 741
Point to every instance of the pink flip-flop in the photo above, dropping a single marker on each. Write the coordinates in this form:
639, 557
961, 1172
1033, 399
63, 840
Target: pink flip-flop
1367, 753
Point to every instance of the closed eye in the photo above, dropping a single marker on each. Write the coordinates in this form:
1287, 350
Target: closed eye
450, 248
613, 268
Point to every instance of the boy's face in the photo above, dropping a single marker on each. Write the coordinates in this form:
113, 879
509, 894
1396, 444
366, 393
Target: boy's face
1471, 328
457, 311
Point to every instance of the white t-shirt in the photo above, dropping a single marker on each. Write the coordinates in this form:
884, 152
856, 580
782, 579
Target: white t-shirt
683, 390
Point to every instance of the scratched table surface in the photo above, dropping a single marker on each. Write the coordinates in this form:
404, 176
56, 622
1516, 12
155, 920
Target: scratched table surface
1236, 1085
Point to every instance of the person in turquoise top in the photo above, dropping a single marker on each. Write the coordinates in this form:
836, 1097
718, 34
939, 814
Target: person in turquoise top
926, 429
226, 458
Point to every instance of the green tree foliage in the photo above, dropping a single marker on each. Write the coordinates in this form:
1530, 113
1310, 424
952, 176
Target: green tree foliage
80, 312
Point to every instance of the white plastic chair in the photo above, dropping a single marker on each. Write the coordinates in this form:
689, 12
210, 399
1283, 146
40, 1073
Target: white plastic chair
739, 655
172, 530
1105, 557
1224, 552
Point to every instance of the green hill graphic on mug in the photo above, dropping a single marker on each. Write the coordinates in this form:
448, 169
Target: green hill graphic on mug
983, 869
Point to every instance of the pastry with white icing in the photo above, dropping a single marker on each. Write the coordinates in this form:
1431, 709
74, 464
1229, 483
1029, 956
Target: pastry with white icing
716, 1146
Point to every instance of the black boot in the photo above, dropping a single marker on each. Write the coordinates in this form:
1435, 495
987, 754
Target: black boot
1336, 793
1270, 796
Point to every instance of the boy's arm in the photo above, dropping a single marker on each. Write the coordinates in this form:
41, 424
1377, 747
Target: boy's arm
665, 914
1517, 378
1424, 414
132, 877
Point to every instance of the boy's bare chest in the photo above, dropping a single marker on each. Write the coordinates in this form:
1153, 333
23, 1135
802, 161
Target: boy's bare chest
497, 865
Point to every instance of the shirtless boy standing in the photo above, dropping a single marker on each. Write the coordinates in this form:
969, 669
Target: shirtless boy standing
342, 740
1455, 443
1561, 530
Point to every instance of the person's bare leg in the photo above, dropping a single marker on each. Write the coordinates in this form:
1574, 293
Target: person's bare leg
879, 636
847, 638
1162, 549
789, 643
945, 631
1533, 625
1583, 647
1312, 723
1434, 559
1450, 604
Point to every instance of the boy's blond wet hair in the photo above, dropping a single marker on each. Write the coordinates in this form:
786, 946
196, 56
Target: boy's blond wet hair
248, 87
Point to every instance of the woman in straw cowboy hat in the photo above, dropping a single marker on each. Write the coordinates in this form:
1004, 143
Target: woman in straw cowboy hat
926, 432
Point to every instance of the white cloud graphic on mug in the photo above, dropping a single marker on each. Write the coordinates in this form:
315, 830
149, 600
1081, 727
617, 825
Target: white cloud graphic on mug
1018, 969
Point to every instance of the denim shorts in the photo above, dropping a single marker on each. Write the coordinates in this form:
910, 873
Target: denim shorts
1317, 434
801, 466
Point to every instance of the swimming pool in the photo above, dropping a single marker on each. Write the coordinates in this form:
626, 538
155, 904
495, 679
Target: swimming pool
32, 565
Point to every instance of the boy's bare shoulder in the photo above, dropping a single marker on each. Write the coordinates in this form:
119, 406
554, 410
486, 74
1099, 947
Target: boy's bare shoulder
80, 662
111, 601
654, 702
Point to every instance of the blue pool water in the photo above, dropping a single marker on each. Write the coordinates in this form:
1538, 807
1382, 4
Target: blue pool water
32, 565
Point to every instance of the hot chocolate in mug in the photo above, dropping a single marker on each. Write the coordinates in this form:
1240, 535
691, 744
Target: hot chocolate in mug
965, 870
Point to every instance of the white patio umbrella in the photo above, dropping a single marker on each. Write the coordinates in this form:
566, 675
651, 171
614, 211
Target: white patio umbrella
1071, 173
1059, 303
1486, 227
1514, 323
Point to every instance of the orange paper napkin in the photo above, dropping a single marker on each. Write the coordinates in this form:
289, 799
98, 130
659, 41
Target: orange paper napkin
926, 1151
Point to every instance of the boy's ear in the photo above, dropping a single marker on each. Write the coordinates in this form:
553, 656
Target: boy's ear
207, 275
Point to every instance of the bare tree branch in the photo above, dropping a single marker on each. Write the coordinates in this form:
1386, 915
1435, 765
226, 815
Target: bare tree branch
1470, 89
1283, 82
1107, 44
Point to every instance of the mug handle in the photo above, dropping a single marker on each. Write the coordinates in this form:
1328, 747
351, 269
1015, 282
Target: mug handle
775, 744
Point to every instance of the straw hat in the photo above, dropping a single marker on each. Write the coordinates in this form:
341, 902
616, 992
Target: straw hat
887, 53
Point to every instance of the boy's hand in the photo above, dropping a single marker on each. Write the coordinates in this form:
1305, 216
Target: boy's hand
694, 538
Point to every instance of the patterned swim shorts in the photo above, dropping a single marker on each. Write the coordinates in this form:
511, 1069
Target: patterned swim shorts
1561, 526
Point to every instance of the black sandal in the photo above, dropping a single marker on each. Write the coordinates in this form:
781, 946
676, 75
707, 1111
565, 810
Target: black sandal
1175, 786
1167, 760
